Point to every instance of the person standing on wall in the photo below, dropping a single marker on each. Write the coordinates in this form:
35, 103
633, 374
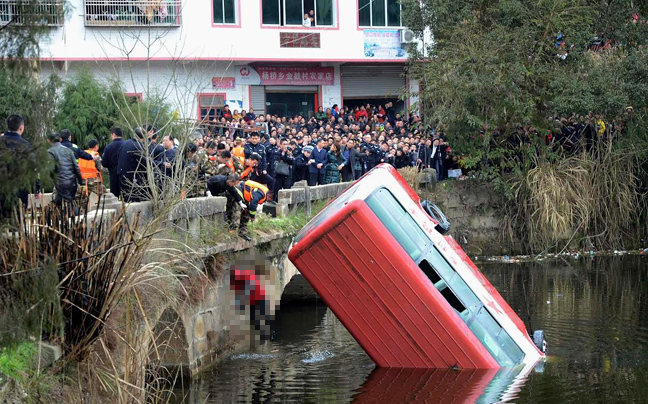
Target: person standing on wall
110, 159
15, 150
67, 173
319, 159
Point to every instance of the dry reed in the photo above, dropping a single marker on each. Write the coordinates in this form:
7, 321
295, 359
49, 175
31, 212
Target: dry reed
589, 201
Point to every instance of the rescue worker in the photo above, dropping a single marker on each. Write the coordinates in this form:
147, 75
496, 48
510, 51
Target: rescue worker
228, 165
206, 168
253, 195
251, 164
249, 291
91, 169
225, 185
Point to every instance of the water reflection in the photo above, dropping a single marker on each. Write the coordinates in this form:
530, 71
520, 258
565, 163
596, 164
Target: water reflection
594, 313
443, 386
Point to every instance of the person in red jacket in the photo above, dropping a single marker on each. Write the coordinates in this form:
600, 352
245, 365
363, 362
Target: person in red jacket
249, 291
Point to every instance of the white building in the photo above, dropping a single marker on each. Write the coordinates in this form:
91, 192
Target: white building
271, 55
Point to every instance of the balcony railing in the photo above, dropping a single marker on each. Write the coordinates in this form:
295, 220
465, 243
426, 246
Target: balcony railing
122, 13
27, 12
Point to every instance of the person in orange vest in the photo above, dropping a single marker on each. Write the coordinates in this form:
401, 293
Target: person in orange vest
253, 195
91, 169
238, 151
251, 164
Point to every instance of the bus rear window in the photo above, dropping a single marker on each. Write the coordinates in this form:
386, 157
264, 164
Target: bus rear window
398, 222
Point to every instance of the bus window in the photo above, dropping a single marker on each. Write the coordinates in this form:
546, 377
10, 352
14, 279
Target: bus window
454, 281
398, 222
495, 339
471, 310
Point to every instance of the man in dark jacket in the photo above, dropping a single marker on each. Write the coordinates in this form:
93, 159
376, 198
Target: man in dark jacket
110, 158
66, 170
282, 155
371, 150
155, 150
225, 185
14, 151
261, 173
253, 146
318, 167
302, 162
132, 168
353, 168
66, 140
425, 155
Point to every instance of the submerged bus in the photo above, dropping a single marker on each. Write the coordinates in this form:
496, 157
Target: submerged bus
406, 292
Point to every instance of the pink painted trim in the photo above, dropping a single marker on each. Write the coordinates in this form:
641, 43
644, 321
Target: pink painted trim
224, 95
138, 95
249, 97
301, 27
170, 59
238, 17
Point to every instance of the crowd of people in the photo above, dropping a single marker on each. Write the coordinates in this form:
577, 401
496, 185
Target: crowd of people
250, 158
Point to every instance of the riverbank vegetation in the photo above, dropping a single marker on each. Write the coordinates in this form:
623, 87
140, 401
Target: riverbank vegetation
548, 101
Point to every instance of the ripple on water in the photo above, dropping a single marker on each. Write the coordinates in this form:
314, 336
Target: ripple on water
318, 356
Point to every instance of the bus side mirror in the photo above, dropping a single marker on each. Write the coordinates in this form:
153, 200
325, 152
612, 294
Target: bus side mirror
435, 213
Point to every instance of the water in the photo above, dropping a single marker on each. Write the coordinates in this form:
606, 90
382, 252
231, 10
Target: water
594, 313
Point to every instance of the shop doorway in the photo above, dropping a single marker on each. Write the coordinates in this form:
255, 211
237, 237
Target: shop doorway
291, 104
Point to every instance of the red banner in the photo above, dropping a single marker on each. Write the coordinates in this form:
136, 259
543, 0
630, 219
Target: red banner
296, 76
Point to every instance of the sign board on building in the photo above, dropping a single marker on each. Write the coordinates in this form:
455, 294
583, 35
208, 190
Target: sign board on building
383, 44
285, 75
299, 39
223, 83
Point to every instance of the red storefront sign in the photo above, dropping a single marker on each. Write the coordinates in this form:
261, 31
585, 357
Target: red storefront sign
223, 83
295, 75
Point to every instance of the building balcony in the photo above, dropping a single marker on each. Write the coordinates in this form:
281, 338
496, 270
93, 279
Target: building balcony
23, 12
126, 13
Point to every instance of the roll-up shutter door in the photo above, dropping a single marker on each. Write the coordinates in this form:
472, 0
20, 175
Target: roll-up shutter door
257, 99
373, 81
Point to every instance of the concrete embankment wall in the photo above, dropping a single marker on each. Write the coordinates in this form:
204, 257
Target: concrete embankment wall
476, 214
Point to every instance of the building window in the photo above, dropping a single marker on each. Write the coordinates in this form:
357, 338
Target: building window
379, 13
224, 11
309, 13
43, 12
210, 106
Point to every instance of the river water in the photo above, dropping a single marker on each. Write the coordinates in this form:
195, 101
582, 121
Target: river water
594, 312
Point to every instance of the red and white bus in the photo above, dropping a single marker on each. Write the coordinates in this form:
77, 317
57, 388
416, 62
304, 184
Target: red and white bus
408, 294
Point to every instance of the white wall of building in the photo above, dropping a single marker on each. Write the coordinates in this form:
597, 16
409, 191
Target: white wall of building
180, 62
198, 38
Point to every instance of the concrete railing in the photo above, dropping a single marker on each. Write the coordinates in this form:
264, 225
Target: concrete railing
290, 199
195, 215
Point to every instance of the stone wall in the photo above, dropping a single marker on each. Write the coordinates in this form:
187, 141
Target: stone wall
476, 214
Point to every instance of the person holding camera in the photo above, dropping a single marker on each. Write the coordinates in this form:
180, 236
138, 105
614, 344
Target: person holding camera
300, 166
